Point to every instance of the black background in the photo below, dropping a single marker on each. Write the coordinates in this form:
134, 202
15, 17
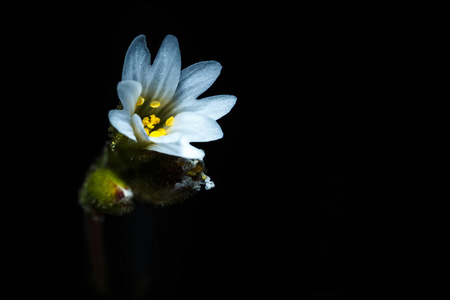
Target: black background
276, 224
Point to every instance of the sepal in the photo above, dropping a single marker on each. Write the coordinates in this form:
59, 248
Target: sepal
163, 179
122, 174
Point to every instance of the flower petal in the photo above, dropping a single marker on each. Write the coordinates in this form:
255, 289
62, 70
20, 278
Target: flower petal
214, 107
196, 79
137, 61
138, 127
165, 72
195, 127
180, 148
129, 92
120, 120
166, 139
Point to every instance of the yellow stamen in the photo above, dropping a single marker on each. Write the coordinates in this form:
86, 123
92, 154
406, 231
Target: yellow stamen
149, 123
169, 121
154, 119
155, 104
162, 130
158, 133
140, 101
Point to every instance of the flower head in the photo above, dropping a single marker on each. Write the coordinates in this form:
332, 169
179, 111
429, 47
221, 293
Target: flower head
160, 110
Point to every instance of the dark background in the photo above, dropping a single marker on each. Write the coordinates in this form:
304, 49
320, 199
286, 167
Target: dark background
276, 226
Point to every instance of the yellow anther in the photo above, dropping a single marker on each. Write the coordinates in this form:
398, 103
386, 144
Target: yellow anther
155, 133
140, 101
162, 130
169, 121
149, 123
154, 119
158, 133
155, 104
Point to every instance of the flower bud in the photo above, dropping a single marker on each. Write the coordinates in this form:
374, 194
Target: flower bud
104, 191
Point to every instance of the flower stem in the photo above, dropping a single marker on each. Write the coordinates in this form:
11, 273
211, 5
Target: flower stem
94, 231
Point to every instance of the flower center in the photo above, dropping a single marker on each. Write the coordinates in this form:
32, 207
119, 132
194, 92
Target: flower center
152, 124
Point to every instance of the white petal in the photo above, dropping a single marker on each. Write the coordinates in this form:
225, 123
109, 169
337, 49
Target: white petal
137, 61
214, 107
165, 71
120, 120
173, 137
180, 148
128, 92
195, 127
138, 127
196, 79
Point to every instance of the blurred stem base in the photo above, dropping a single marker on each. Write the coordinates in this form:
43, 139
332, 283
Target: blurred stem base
126, 257
95, 238
123, 196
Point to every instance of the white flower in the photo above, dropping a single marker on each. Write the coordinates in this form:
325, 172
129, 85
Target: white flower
161, 111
